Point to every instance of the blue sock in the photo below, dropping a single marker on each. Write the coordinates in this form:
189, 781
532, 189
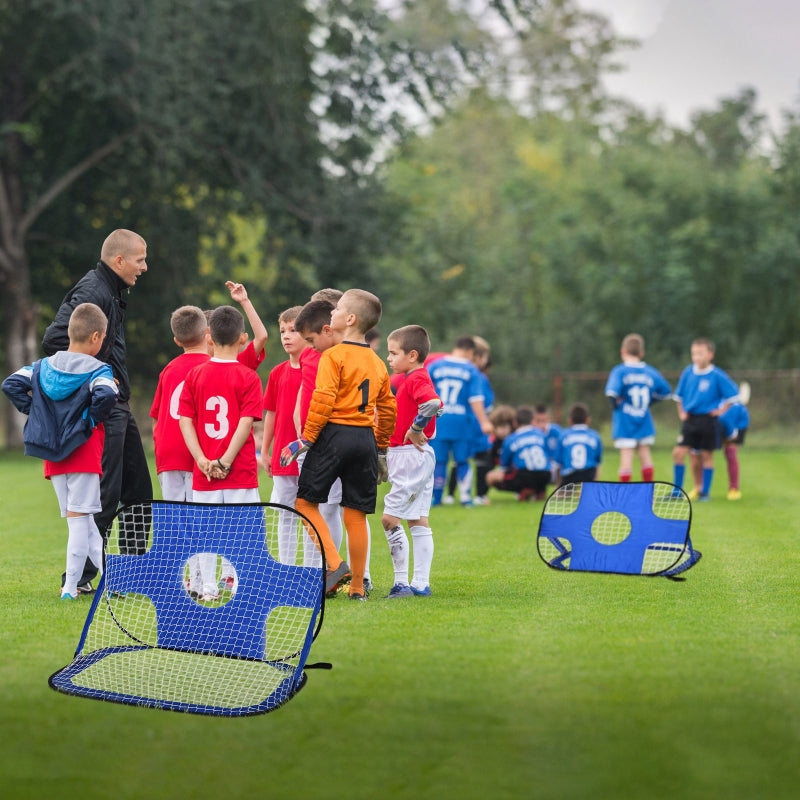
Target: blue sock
439, 480
678, 471
708, 474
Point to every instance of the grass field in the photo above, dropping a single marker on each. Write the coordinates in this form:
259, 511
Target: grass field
511, 681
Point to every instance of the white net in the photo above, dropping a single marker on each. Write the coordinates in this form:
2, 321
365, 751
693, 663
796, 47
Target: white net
202, 608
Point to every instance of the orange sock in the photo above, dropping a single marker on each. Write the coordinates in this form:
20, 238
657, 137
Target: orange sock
356, 524
311, 510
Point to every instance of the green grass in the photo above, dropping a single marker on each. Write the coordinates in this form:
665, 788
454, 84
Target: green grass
511, 681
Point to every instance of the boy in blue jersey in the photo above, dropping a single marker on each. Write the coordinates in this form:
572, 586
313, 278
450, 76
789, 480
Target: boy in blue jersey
631, 388
581, 448
524, 459
552, 435
703, 394
734, 422
459, 384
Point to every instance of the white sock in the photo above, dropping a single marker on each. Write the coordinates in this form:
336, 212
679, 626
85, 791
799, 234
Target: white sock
332, 514
422, 541
369, 549
208, 572
398, 549
95, 544
195, 576
465, 487
287, 537
77, 550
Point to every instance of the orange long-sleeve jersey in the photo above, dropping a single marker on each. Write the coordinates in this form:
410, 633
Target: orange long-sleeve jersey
352, 388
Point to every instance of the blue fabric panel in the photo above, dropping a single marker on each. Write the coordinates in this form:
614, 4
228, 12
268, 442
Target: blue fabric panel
635, 501
236, 532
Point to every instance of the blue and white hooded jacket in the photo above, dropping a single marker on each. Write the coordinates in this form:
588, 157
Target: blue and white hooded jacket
65, 396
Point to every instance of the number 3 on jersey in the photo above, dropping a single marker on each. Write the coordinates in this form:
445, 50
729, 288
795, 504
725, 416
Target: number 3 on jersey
218, 429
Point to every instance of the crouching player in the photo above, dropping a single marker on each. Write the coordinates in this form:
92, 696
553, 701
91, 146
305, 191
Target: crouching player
411, 462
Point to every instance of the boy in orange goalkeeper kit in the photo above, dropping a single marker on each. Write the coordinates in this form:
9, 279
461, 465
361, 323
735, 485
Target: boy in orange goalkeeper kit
350, 422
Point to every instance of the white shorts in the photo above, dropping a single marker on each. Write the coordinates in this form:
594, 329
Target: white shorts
229, 496
78, 492
632, 444
176, 484
284, 490
411, 476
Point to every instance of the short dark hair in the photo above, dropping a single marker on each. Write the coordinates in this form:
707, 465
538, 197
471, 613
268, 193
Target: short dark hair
86, 319
226, 325
579, 413
524, 415
705, 341
188, 325
633, 345
315, 315
465, 343
413, 337
372, 334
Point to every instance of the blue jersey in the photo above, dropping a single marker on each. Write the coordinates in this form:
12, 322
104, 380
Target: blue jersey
634, 386
581, 448
552, 435
526, 448
735, 419
457, 381
480, 440
703, 391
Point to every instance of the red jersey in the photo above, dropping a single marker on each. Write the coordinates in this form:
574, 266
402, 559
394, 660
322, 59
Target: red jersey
415, 389
249, 358
309, 364
170, 448
88, 457
280, 397
215, 396
398, 377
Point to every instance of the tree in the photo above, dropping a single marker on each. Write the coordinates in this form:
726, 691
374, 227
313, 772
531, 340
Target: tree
166, 105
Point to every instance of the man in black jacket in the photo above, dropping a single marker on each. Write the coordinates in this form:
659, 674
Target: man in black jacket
126, 476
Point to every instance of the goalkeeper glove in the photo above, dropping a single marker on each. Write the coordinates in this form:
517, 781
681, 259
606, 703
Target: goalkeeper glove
293, 450
383, 467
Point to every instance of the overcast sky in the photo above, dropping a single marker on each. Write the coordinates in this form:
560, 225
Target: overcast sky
695, 52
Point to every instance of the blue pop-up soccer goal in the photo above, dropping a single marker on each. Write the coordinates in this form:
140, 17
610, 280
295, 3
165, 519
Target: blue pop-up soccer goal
628, 528
209, 609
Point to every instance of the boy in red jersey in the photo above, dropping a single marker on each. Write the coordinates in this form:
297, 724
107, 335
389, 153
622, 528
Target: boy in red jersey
189, 324
280, 399
411, 462
66, 397
350, 421
174, 462
221, 399
313, 323
251, 353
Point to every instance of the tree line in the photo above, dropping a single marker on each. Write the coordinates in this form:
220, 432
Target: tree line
462, 160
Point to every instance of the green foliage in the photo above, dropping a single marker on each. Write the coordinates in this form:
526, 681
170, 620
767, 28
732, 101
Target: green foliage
553, 243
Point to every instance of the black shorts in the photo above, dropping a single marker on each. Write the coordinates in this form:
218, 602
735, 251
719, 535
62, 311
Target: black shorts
739, 438
519, 479
700, 432
348, 452
579, 476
